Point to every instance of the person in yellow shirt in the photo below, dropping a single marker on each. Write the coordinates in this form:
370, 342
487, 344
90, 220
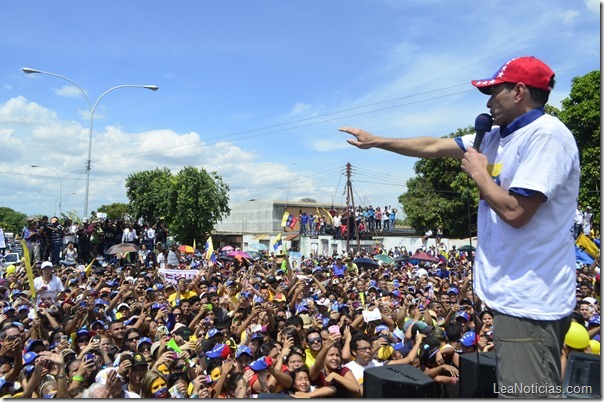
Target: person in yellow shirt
182, 292
314, 343
352, 268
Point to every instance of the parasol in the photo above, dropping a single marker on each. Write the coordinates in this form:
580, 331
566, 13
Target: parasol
122, 248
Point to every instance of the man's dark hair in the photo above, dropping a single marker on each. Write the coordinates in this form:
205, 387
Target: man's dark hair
112, 323
454, 331
132, 331
311, 331
265, 349
578, 318
295, 320
358, 338
537, 95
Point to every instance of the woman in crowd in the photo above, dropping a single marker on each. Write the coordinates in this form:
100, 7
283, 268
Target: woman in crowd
335, 374
70, 255
303, 389
154, 385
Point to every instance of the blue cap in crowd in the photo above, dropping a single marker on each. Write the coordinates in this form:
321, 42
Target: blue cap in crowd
33, 342
468, 339
213, 332
259, 364
463, 314
29, 358
243, 349
82, 332
217, 351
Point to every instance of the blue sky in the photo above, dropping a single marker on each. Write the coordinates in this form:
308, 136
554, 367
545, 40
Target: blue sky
255, 90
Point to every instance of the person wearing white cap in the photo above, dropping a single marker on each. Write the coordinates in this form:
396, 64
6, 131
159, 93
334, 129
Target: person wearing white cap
527, 172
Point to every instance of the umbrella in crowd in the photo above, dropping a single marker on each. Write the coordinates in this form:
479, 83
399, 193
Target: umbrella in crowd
423, 257
467, 248
257, 247
400, 258
239, 254
122, 248
227, 249
365, 262
386, 259
186, 249
255, 255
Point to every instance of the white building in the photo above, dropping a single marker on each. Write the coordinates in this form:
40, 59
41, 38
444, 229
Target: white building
260, 221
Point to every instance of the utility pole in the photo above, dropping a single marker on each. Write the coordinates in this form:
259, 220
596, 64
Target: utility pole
350, 215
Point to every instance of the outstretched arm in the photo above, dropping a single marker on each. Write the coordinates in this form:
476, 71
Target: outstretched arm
420, 147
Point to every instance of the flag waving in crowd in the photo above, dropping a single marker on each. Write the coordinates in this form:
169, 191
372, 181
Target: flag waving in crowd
210, 256
277, 242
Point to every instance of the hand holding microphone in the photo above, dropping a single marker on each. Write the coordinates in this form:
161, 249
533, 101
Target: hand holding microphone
482, 125
473, 163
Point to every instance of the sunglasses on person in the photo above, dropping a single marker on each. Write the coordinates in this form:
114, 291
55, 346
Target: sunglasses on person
134, 339
315, 340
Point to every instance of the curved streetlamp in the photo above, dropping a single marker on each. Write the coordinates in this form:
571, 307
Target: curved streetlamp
60, 183
92, 108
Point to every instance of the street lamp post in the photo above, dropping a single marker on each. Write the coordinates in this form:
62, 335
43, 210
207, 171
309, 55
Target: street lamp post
27, 70
60, 183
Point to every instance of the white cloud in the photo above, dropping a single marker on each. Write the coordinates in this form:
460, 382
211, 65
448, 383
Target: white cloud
592, 6
69, 91
568, 17
300, 108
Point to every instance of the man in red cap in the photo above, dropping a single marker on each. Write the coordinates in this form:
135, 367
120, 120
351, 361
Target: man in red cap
527, 172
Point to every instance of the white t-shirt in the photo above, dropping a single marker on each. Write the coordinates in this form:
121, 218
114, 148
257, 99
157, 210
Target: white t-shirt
359, 370
530, 271
578, 216
52, 288
161, 260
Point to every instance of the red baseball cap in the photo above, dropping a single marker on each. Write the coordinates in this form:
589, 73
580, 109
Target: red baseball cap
528, 70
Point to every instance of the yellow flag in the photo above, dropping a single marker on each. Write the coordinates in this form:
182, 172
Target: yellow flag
284, 219
586, 244
89, 267
210, 250
30, 273
328, 215
277, 242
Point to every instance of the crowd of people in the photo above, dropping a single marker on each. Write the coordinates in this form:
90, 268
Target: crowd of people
237, 328
361, 219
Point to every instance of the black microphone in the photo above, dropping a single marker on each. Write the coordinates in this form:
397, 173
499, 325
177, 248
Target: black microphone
482, 124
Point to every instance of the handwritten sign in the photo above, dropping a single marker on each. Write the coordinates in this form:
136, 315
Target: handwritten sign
173, 275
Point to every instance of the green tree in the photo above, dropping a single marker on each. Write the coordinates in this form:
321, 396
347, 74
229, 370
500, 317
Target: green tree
71, 214
439, 195
148, 192
198, 201
581, 114
12, 221
191, 202
115, 211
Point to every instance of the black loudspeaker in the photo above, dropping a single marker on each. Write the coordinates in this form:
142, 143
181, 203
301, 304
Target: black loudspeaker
471, 365
280, 395
582, 376
397, 381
